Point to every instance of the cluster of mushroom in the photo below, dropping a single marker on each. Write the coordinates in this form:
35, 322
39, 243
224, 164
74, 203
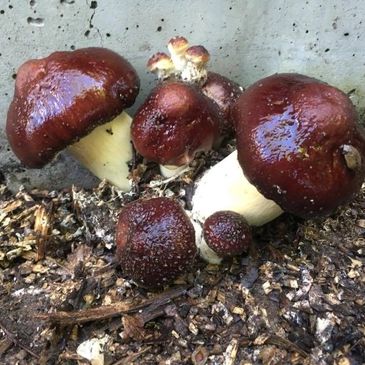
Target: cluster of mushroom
187, 112
299, 147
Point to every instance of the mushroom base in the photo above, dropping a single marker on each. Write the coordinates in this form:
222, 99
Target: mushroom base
206, 253
224, 187
107, 150
171, 170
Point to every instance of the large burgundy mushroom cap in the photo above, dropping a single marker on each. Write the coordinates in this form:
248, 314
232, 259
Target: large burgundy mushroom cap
227, 233
174, 123
155, 241
61, 98
299, 143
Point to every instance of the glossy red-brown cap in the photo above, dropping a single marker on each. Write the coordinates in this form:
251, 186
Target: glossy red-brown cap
227, 233
299, 143
174, 123
225, 93
61, 98
155, 241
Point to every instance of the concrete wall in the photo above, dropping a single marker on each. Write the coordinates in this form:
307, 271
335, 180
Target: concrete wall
247, 39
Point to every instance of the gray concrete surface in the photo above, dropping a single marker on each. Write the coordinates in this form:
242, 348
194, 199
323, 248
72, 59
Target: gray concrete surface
247, 39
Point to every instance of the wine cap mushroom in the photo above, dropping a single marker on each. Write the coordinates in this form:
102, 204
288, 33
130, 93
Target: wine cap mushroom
60, 99
299, 148
295, 138
174, 123
224, 92
225, 234
155, 241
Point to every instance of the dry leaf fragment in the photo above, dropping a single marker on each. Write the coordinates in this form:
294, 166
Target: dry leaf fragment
42, 226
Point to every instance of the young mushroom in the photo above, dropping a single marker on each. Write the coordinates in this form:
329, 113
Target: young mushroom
155, 241
76, 100
300, 149
225, 234
174, 123
177, 47
224, 92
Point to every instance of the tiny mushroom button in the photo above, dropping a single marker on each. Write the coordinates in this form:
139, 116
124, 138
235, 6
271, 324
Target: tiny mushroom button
155, 241
225, 234
299, 149
75, 99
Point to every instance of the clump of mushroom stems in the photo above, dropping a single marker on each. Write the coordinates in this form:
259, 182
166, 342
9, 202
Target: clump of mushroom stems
107, 150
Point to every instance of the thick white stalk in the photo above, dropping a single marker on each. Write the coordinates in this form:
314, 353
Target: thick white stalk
224, 187
107, 150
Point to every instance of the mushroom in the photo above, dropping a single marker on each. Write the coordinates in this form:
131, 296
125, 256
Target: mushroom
224, 92
162, 65
195, 70
176, 121
155, 241
75, 99
299, 148
177, 47
225, 234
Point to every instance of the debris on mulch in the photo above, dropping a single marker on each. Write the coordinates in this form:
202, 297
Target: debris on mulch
297, 298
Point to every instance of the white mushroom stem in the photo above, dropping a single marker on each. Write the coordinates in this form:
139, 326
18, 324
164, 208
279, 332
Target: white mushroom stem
205, 252
224, 187
171, 170
194, 73
177, 47
107, 150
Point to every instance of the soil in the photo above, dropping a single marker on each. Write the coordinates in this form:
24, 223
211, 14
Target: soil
298, 296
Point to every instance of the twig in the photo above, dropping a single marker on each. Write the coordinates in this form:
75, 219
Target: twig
110, 311
280, 341
13, 339
129, 359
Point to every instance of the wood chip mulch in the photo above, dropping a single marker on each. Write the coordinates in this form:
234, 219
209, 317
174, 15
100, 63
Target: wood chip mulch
297, 298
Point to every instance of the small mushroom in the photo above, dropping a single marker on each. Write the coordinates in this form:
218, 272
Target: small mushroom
162, 65
225, 234
155, 241
177, 47
75, 99
224, 92
300, 149
175, 122
197, 58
